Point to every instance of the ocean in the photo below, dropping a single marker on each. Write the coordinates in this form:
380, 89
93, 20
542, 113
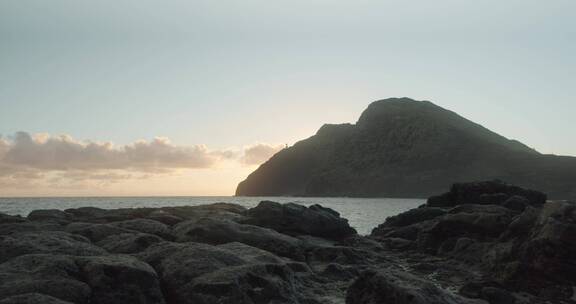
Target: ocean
364, 214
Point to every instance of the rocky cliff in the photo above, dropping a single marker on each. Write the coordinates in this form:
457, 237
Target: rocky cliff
406, 148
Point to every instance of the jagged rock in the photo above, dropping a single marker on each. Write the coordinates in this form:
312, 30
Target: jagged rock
33, 298
128, 242
53, 242
547, 253
293, 219
392, 286
214, 231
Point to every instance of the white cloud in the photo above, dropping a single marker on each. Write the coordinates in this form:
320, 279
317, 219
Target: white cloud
65, 153
31, 160
259, 153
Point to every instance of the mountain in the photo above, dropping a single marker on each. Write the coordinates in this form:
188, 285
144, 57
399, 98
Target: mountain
406, 148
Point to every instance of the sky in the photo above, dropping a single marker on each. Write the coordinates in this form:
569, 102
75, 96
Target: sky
186, 97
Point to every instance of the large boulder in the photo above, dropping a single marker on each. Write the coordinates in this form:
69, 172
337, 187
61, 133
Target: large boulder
214, 231
247, 284
294, 219
56, 276
49, 242
398, 287
120, 279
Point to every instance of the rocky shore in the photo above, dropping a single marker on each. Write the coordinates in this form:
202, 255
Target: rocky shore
485, 242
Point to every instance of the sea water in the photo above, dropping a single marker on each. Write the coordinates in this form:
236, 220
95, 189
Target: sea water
364, 214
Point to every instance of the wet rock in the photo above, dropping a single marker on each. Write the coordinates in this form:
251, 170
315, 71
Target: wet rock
214, 231
128, 242
294, 219
53, 242
393, 286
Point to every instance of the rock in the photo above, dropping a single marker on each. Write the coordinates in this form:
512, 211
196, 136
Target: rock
179, 264
547, 256
214, 231
50, 214
121, 279
129, 242
393, 286
413, 216
9, 219
49, 242
145, 226
6, 229
497, 296
86, 212
33, 298
496, 192
164, 217
293, 219
247, 284
52, 275
251, 254
516, 203
96, 232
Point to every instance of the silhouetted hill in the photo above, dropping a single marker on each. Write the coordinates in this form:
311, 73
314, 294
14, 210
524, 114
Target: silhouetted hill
406, 148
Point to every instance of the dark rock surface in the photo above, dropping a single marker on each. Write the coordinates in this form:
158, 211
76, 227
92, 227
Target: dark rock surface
401, 147
294, 219
503, 246
510, 235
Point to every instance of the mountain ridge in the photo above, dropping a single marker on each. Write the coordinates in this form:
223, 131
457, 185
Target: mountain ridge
401, 147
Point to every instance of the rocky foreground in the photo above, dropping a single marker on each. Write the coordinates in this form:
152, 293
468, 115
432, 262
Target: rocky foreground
480, 243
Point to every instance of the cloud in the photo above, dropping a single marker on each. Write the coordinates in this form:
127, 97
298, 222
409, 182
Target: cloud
259, 153
30, 161
64, 153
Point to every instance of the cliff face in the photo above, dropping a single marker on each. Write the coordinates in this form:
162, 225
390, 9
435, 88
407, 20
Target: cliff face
405, 148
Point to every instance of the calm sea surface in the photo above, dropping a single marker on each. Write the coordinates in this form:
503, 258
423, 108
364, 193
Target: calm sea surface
362, 213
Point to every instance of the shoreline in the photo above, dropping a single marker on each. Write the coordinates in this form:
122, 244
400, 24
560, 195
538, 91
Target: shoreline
474, 244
